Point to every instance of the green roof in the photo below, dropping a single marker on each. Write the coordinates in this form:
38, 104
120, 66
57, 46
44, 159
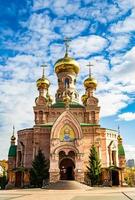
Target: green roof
71, 105
45, 125
121, 151
86, 124
12, 151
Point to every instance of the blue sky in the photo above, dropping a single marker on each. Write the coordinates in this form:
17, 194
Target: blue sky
101, 31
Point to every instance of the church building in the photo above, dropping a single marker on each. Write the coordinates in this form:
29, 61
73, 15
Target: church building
65, 130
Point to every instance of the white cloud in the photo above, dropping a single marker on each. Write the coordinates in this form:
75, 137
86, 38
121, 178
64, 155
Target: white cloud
128, 116
41, 4
84, 46
124, 69
74, 27
126, 5
65, 7
111, 102
125, 26
129, 151
119, 42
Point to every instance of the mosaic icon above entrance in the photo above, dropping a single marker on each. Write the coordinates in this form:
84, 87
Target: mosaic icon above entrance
67, 134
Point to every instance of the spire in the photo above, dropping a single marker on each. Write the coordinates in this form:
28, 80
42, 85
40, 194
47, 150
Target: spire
118, 129
67, 40
43, 82
43, 74
13, 138
13, 130
90, 65
119, 136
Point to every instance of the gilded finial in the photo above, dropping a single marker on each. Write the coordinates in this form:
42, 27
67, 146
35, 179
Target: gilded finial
13, 130
119, 136
90, 65
118, 129
13, 135
67, 40
43, 74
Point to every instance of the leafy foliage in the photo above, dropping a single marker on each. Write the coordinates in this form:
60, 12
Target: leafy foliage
94, 167
3, 182
39, 170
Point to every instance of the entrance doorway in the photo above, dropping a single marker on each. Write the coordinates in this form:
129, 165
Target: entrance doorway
67, 169
18, 178
115, 177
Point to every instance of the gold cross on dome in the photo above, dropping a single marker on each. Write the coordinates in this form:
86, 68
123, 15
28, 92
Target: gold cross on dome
90, 65
43, 66
67, 40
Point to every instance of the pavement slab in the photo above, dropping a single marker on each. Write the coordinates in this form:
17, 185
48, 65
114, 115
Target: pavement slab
78, 193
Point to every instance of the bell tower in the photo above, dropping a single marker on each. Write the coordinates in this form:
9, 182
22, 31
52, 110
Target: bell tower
89, 101
67, 69
43, 101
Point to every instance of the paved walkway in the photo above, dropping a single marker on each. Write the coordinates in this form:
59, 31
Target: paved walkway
80, 192
67, 185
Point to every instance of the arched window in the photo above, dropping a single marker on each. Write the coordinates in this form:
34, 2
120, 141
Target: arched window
93, 117
19, 158
40, 116
61, 155
66, 82
114, 157
35, 116
71, 154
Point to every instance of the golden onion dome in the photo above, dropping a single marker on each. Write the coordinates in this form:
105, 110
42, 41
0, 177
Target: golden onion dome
43, 83
84, 98
119, 138
90, 83
66, 64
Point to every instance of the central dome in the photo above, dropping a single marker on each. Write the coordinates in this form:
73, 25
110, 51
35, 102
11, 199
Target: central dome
66, 64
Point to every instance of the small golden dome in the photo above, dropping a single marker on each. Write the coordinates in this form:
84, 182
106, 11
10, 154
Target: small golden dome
90, 83
66, 64
84, 98
119, 138
43, 83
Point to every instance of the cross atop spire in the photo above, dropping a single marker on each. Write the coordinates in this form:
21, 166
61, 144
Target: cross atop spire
13, 130
90, 65
13, 137
43, 66
66, 41
118, 129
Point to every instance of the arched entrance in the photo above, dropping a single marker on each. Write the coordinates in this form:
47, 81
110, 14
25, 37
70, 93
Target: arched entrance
115, 177
67, 169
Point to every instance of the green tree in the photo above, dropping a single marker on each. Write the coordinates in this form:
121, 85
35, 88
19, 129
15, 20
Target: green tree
39, 170
94, 167
3, 179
